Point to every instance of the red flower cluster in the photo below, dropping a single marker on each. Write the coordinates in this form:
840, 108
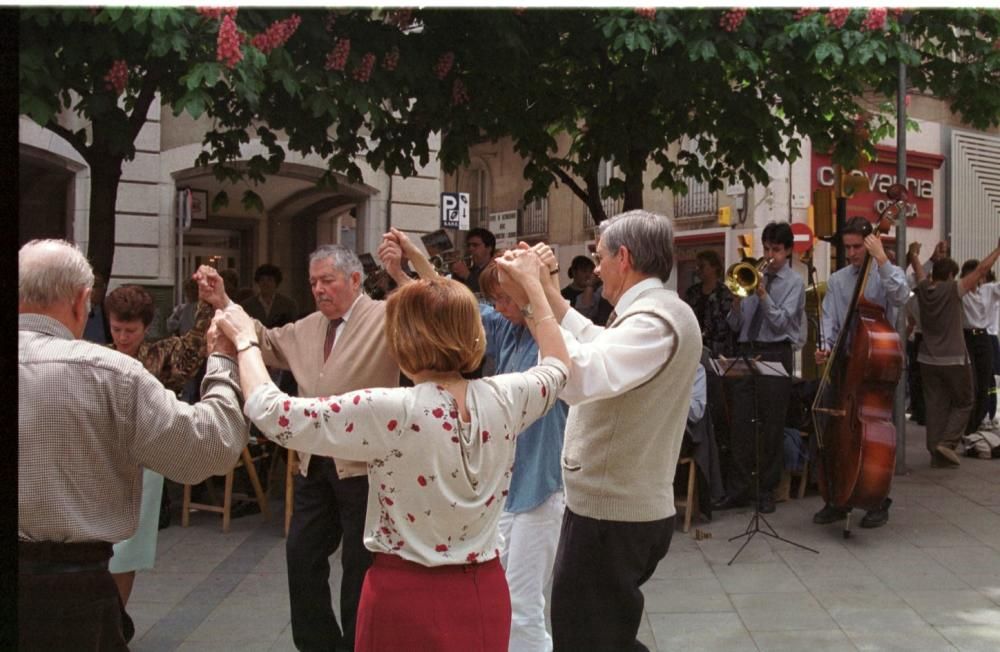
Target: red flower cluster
732, 19
896, 12
215, 13
227, 46
277, 34
458, 93
401, 18
444, 64
805, 12
336, 59
875, 20
391, 59
649, 13
837, 17
117, 77
363, 71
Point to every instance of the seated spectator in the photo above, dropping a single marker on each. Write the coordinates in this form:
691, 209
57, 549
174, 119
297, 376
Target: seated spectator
711, 301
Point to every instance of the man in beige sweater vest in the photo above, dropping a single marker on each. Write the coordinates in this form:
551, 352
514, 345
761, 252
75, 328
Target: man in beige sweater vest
629, 392
337, 349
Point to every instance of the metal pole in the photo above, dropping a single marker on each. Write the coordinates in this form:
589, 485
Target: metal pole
899, 410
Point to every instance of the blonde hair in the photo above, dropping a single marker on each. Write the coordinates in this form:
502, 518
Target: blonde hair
489, 280
434, 325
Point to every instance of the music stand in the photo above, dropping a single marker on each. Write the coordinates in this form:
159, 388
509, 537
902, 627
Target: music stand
743, 366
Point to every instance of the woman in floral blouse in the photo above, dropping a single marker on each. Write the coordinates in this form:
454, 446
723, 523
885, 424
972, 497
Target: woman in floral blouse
711, 299
439, 458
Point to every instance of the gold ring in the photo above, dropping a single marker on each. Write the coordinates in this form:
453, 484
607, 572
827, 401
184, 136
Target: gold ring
555, 271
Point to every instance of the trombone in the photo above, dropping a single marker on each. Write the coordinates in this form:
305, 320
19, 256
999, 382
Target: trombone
743, 277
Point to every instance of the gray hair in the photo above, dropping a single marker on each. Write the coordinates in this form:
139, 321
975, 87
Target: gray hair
51, 271
649, 237
344, 260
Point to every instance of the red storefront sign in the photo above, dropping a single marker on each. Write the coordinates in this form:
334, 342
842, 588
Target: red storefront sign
879, 175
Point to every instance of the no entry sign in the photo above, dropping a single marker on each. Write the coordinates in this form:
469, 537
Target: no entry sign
802, 237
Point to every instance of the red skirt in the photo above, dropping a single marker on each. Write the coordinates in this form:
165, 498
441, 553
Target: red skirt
406, 606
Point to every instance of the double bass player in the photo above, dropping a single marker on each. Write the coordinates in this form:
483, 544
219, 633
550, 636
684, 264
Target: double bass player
886, 287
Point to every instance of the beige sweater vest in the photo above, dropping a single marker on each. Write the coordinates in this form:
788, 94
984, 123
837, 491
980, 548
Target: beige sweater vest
360, 359
620, 453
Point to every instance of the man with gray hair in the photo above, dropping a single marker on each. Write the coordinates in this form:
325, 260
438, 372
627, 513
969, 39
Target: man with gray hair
89, 420
337, 349
629, 392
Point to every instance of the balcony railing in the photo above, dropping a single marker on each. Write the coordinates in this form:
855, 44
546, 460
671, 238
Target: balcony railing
699, 201
533, 218
611, 205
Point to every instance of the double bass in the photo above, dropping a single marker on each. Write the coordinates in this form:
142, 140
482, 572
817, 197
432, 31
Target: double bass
852, 411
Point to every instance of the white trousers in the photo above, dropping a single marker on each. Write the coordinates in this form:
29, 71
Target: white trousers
530, 540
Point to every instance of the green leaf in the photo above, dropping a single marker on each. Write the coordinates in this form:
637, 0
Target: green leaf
220, 201
252, 201
826, 50
36, 109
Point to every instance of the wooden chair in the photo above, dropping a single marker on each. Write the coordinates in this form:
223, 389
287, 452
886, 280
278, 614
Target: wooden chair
246, 461
689, 502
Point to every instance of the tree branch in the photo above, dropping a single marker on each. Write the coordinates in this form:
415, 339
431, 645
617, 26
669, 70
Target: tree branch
70, 137
150, 84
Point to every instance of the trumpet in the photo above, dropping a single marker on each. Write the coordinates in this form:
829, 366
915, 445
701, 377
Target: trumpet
442, 262
743, 277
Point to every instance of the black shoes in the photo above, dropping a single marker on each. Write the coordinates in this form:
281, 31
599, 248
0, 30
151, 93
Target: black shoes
830, 514
766, 503
877, 517
727, 502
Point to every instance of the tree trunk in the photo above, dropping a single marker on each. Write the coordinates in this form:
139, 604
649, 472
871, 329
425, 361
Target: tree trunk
633, 179
105, 172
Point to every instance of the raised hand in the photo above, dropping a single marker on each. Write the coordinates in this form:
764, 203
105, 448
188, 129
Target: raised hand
211, 288
234, 322
216, 342
391, 255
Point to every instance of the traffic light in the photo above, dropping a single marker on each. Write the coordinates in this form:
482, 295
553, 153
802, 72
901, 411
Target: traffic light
746, 245
824, 210
848, 183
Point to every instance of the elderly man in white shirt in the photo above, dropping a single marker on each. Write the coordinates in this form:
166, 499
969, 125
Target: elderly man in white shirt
623, 434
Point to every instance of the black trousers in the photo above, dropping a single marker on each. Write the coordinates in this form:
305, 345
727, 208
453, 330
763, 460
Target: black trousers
327, 510
770, 395
981, 353
59, 608
599, 567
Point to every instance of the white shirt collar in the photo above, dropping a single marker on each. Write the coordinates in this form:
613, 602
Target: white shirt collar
633, 293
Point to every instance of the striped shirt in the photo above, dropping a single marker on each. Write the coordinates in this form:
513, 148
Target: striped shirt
89, 420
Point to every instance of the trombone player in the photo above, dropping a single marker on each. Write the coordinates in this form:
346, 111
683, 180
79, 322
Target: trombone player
769, 315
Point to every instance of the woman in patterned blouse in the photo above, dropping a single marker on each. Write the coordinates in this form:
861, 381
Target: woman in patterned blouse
711, 299
439, 458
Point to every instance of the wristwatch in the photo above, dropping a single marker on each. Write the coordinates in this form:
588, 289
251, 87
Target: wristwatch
527, 311
243, 343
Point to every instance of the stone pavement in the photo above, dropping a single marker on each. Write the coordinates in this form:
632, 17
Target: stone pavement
929, 580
